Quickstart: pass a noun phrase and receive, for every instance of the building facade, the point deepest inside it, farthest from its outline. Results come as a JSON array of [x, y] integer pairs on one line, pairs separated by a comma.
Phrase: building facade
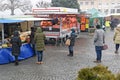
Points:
[[105, 6]]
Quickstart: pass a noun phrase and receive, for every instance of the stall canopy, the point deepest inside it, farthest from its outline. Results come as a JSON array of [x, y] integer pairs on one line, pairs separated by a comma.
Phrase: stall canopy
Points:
[[96, 14], [92, 11], [10, 21]]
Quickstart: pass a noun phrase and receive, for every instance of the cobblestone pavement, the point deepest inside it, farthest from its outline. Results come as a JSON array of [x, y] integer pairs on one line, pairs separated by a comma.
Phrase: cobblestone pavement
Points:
[[58, 66]]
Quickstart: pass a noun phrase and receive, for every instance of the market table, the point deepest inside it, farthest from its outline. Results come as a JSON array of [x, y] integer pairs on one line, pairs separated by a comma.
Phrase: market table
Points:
[[7, 57]]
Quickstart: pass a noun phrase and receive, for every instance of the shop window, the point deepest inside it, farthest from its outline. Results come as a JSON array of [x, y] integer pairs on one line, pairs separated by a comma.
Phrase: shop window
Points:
[[37, 23]]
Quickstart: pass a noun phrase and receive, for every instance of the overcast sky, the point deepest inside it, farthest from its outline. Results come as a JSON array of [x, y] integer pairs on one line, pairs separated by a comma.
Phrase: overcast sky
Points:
[[34, 1]]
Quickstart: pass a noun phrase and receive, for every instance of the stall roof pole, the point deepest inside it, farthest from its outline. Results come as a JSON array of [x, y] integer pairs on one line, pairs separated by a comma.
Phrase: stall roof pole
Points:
[[2, 34]]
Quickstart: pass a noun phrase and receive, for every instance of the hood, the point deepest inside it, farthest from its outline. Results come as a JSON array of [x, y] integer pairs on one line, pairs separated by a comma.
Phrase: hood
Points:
[[73, 30], [16, 34], [39, 30]]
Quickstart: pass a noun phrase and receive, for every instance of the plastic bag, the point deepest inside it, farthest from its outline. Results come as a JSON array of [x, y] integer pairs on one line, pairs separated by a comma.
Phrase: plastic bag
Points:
[[67, 43]]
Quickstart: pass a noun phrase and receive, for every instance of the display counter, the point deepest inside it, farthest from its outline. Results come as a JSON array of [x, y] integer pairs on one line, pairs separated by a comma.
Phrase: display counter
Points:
[[7, 57]]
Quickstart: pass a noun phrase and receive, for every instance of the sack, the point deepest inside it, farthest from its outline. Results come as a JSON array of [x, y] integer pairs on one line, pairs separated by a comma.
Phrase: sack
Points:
[[67, 43], [105, 47]]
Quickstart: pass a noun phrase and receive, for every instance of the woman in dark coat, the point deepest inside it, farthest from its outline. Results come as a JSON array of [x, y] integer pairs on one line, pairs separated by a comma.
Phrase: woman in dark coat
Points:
[[72, 42], [16, 44]]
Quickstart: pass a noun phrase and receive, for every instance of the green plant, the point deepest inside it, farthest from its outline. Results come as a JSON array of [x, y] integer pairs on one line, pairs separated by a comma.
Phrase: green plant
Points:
[[98, 72], [118, 76]]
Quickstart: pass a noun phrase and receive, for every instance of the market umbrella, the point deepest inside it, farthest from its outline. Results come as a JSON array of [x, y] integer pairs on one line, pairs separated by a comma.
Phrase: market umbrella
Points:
[[92, 11], [2, 21], [97, 15]]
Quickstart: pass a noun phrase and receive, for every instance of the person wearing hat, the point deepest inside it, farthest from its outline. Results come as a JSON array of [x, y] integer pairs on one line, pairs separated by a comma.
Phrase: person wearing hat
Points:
[[116, 38], [72, 42]]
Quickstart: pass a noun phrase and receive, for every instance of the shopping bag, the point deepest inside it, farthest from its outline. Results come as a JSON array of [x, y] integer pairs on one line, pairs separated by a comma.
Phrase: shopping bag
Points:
[[105, 46], [67, 43]]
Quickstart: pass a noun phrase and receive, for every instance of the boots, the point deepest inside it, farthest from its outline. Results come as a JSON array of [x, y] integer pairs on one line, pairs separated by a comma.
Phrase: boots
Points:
[[70, 53], [16, 63], [116, 52]]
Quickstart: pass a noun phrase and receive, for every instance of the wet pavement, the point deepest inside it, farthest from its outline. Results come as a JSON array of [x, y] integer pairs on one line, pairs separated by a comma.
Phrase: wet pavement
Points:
[[58, 66]]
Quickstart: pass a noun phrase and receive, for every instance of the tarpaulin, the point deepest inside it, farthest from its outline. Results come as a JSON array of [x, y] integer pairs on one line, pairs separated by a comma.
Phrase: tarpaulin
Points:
[[7, 57]]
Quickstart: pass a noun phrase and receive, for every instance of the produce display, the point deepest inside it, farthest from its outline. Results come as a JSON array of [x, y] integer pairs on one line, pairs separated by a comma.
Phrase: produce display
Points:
[[24, 36]]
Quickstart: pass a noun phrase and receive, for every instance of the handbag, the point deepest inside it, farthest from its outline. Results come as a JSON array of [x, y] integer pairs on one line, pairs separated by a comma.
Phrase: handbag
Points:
[[67, 43], [105, 46]]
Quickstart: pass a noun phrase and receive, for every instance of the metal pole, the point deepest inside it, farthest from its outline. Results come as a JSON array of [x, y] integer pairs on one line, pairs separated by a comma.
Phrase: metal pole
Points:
[[2, 34]]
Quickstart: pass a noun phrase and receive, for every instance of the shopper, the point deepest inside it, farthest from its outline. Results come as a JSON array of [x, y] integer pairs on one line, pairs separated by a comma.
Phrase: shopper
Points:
[[32, 40], [116, 38], [72, 42], [99, 40], [39, 39], [16, 44]]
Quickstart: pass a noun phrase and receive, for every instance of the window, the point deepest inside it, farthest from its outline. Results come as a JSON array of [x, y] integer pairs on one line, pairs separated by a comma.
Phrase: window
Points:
[[113, 3], [99, 10], [118, 10], [112, 10], [86, 3], [100, 3], [92, 3], [106, 11], [107, 3], [81, 3]]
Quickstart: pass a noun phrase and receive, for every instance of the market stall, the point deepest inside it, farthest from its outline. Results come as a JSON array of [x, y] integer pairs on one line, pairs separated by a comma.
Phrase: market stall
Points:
[[5, 49]]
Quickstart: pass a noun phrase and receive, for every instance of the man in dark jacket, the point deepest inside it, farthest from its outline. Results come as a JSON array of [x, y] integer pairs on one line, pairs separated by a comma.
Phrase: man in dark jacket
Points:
[[16, 44], [72, 42]]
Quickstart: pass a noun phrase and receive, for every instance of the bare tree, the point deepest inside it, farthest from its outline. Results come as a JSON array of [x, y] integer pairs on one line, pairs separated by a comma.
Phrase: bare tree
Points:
[[14, 4], [43, 4]]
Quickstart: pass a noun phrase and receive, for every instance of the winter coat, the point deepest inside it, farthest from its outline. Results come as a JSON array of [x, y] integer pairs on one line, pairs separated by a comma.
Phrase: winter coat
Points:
[[72, 37], [16, 44], [107, 24], [32, 37], [99, 37], [116, 37], [39, 39]]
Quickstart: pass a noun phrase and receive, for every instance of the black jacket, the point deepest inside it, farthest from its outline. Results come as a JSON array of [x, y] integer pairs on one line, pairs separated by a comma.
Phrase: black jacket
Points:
[[72, 39], [16, 44]]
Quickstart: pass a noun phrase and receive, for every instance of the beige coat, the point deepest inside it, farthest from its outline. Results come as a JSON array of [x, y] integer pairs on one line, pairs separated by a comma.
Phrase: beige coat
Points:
[[116, 37]]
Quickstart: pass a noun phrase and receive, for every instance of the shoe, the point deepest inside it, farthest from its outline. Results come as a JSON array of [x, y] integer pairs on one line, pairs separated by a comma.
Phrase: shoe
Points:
[[97, 61], [16, 63], [41, 62], [70, 55], [38, 62], [116, 52]]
